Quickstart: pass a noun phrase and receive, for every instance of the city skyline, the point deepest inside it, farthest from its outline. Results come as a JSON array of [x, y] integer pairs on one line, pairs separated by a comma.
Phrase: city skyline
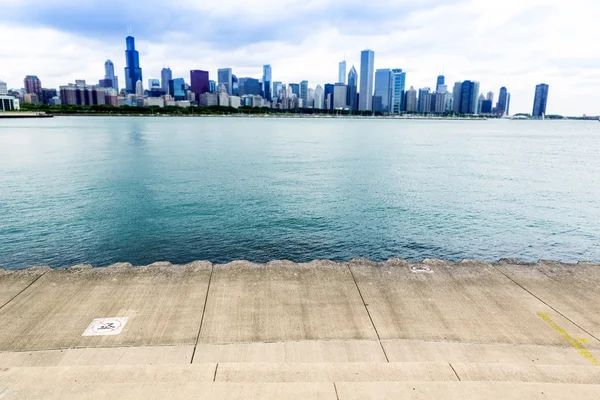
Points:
[[71, 51]]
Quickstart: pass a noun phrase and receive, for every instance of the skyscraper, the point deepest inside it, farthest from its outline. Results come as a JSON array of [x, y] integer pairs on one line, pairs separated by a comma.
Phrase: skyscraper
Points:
[[295, 88], [540, 101], [328, 96], [340, 96], [382, 99], [133, 71], [199, 82], [109, 75], [165, 76], [304, 92], [342, 72], [353, 89], [3, 88], [33, 85], [267, 82], [212, 86], [318, 102], [490, 96], [424, 104], [225, 77], [177, 88], [469, 96], [501, 106], [441, 80], [367, 66], [139, 89], [411, 100], [399, 84], [456, 95]]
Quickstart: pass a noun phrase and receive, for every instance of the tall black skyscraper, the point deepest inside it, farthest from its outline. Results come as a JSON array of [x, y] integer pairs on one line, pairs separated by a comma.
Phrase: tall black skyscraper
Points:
[[133, 72], [352, 100], [541, 99], [502, 105]]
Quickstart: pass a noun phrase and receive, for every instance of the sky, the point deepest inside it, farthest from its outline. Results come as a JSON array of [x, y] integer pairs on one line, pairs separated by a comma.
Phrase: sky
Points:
[[512, 43]]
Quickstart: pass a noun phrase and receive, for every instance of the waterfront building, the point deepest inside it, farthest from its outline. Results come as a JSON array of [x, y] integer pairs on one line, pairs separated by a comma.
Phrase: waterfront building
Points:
[[165, 77], [277, 90], [153, 83], [340, 96], [398, 85], [110, 79], [3, 88], [342, 72], [424, 102], [295, 89], [33, 85], [139, 89], [441, 80], [490, 96], [208, 99], [367, 68], [382, 99], [352, 100], [31, 98], [234, 101], [438, 103], [502, 105], [177, 89], [469, 95], [225, 77], [9, 103], [235, 85], [410, 100], [223, 96], [199, 82], [155, 102], [328, 95], [250, 86], [540, 101], [479, 101], [212, 86], [486, 107], [304, 93], [47, 95], [133, 71], [311, 98], [267, 82], [111, 97], [456, 95], [81, 94], [319, 98]]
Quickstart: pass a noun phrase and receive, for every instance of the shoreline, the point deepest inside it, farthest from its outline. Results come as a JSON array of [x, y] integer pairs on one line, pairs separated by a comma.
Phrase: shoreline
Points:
[[276, 116]]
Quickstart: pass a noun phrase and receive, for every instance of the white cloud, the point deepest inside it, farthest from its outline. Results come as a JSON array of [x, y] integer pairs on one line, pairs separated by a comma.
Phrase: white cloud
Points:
[[512, 43]]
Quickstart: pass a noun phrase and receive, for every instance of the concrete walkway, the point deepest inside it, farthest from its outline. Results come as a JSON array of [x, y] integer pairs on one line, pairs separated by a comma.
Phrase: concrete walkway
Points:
[[319, 330]]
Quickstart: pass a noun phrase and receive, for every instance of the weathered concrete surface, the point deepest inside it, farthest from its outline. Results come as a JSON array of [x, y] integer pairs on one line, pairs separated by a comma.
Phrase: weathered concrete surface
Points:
[[340, 372], [284, 301], [164, 305], [156, 355], [463, 302], [310, 351], [465, 391], [528, 373], [571, 289], [14, 282], [177, 390]]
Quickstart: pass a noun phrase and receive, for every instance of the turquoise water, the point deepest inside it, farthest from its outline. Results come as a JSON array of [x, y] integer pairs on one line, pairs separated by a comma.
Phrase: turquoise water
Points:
[[102, 190]]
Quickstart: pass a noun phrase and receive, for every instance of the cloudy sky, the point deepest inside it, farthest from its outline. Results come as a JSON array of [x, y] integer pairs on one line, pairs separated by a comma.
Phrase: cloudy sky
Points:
[[513, 43]]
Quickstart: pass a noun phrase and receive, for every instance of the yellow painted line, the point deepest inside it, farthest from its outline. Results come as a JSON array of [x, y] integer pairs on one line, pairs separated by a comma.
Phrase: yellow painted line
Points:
[[575, 343]]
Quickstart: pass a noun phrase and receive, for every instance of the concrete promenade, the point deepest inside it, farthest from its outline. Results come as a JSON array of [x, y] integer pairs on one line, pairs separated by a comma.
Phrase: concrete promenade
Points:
[[322, 330]]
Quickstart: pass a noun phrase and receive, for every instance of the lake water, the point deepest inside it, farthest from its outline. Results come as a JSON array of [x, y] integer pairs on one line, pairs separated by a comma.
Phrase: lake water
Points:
[[102, 190]]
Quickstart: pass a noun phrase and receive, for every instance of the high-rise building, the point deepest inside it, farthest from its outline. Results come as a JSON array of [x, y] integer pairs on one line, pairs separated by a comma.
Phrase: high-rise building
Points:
[[47, 95], [235, 85], [438, 102], [153, 84], [490, 96], [398, 87], [352, 100], [82, 94], [342, 72], [212, 86], [319, 99], [340, 96], [250, 86], [199, 82], [501, 106], [540, 101], [382, 99], [33, 85], [486, 107], [367, 68], [424, 105], [456, 96], [109, 75], [277, 89], [441, 80], [133, 71], [469, 96], [410, 100], [177, 89], [304, 92], [3, 88], [165, 76], [328, 96], [480, 103], [225, 77], [295, 88], [267, 82], [139, 89]]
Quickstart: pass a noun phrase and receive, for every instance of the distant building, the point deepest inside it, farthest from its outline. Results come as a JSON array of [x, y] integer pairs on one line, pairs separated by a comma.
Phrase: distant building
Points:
[[352, 89], [318, 102], [540, 101], [212, 86], [342, 72], [153, 83], [47, 95], [469, 96], [222, 96], [267, 82], [250, 86], [199, 82], [441, 80], [399, 85], [133, 71], [277, 89], [367, 68], [225, 77], [165, 76], [31, 98], [295, 87], [490, 96], [139, 89], [456, 95], [328, 96], [502, 105], [424, 104], [234, 101], [9, 103], [340, 96], [208, 99], [110, 80], [410, 100], [33, 85], [486, 107], [81, 94], [438, 103], [177, 89], [382, 99], [3, 88], [304, 92], [155, 102]]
